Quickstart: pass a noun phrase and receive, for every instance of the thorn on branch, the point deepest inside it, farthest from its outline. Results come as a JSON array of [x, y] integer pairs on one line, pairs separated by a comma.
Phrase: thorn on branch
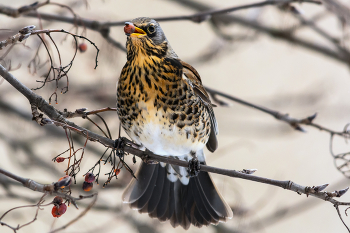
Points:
[[337, 193], [308, 120], [248, 171], [296, 126], [200, 18], [314, 189], [22, 35], [39, 117], [80, 110], [320, 188], [311, 118]]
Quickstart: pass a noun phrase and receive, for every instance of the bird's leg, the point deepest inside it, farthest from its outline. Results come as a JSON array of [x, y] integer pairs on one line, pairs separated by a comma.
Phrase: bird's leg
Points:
[[194, 166], [121, 142]]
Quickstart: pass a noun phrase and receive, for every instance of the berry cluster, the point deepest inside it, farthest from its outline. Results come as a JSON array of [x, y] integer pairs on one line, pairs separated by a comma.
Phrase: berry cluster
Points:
[[59, 207]]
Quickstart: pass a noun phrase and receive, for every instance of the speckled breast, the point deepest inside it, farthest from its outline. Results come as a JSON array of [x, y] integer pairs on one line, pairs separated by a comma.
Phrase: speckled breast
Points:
[[159, 110]]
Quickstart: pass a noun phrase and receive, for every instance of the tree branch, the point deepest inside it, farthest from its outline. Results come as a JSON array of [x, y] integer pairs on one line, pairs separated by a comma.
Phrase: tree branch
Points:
[[43, 188], [220, 14], [293, 122], [284, 35], [53, 114]]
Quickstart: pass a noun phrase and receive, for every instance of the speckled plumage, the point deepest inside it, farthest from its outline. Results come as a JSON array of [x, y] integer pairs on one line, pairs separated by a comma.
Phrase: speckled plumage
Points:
[[163, 106], [159, 110]]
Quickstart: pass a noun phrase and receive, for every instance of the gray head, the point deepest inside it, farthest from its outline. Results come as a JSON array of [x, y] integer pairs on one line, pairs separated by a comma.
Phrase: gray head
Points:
[[153, 31]]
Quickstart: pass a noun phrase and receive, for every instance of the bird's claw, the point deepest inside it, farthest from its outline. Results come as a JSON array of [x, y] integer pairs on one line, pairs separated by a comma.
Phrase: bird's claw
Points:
[[119, 145], [194, 167]]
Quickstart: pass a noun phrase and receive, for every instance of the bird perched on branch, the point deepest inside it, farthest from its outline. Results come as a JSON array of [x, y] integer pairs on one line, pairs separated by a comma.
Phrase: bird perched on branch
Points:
[[163, 106]]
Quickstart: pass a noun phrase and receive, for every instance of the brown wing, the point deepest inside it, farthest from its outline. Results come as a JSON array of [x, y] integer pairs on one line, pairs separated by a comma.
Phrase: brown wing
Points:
[[196, 82]]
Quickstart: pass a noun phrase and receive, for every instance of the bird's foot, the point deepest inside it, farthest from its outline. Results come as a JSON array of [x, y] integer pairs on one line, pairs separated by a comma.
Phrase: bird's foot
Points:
[[122, 141], [119, 146], [194, 167]]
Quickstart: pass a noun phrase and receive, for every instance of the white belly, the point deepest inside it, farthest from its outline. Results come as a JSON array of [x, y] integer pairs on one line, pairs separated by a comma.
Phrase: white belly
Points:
[[158, 136]]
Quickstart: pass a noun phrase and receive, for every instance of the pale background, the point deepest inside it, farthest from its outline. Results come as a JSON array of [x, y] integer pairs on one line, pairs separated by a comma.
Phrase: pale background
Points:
[[265, 71]]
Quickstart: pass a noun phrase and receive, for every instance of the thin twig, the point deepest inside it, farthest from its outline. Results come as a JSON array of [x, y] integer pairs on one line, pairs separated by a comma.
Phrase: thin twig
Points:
[[103, 27], [293, 122]]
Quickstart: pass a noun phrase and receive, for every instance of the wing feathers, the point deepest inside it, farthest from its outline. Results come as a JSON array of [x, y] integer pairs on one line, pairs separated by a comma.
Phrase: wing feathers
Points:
[[196, 82]]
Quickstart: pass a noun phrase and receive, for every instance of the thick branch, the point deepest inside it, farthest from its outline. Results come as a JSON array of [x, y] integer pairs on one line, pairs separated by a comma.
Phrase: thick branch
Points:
[[54, 115], [49, 110]]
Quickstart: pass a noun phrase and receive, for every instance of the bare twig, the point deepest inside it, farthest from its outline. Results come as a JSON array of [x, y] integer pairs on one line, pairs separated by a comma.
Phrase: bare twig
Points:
[[103, 27], [284, 35], [293, 122], [38, 205]]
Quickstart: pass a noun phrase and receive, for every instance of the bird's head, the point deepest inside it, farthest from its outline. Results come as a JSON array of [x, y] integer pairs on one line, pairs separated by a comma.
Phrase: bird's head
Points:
[[146, 36]]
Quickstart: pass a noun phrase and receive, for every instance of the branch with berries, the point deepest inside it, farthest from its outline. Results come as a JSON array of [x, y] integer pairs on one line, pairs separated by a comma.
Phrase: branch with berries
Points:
[[126, 147], [61, 191]]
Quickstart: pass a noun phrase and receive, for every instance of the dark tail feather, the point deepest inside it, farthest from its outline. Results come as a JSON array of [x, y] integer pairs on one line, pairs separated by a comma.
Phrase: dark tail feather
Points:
[[198, 203]]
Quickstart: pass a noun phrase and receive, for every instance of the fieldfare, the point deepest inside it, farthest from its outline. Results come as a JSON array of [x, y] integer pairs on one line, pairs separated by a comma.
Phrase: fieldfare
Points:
[[163, 106]]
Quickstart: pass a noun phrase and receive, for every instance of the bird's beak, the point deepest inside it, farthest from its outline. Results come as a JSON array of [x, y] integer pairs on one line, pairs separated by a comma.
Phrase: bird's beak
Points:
[[139, 31], [133, 31]]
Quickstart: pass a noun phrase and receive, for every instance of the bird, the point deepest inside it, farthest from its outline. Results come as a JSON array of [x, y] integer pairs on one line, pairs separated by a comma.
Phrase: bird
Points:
[[163, 107]]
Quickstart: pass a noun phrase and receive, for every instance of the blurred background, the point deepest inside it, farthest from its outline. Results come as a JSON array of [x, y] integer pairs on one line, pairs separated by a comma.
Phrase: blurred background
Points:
[[292, 58]]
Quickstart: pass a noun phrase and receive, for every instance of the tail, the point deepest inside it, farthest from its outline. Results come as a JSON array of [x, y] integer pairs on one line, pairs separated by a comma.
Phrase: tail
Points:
[[198, 202]]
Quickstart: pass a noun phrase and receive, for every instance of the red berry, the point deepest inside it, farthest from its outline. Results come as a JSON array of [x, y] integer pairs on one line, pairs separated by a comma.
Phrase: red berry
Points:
[[87, 186], [60, 159], [117, 171], [82, 47], [59, 210], [54, 212], [89, 177], [62, 208], [57, 200]]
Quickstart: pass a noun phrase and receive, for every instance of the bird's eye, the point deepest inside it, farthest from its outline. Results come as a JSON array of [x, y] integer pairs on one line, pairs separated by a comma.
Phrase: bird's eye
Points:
[[151, 29]]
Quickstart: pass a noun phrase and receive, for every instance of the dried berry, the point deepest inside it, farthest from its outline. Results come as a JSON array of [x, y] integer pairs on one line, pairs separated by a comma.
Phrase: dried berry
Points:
[[87, 186], [89, 177], [64, 181], [82, 47], [60, 159], [57, 200]]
